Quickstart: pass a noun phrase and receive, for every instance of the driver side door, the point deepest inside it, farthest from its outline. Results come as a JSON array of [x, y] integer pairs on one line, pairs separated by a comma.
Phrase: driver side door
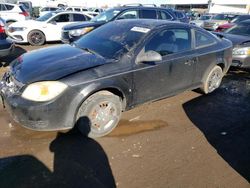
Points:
[[55, 25], [175, 73]]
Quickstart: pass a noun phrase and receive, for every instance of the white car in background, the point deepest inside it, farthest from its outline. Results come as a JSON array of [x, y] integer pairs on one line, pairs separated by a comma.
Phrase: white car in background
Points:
[[45, 28], [13, 13], [45, 10]]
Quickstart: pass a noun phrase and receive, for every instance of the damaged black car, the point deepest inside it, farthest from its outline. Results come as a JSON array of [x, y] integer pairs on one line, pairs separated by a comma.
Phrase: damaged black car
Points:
[[114, 68]]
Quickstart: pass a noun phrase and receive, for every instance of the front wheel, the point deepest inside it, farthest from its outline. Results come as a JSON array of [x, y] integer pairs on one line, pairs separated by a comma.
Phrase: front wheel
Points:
[[212, 80], [36, 38], [99, 114]]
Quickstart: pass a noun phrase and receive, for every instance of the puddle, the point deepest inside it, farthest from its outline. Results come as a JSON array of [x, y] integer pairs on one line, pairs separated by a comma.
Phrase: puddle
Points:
[[126, 128]]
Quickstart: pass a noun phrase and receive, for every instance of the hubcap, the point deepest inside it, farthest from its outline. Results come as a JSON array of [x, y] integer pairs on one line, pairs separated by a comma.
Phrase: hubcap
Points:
[[214, 80], [36, 38], [103, 116]]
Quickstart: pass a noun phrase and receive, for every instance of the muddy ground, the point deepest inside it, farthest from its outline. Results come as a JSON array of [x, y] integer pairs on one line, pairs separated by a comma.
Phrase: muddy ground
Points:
[[189, 140]]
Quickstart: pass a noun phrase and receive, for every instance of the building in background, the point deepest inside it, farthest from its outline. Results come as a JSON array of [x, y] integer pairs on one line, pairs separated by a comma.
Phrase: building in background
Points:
[[187, 5], [233, 6]]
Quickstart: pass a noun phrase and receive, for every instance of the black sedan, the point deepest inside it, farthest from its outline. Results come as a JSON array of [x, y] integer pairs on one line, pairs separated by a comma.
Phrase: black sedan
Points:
[[6, 45], [240, 37], [112, 69]]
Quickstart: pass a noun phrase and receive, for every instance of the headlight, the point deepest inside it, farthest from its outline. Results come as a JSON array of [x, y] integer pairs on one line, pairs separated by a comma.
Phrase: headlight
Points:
[[241, 51], [43, 91], [79, 32]]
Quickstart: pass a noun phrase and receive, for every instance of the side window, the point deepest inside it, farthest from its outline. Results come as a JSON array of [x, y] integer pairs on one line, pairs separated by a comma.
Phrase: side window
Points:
[[165, 16], [129, 15], [170, 41], [2, 7], [9, 7], [61, 18], [77, 9], [151, 14], [78, 17], [202, 40], [69, 9]]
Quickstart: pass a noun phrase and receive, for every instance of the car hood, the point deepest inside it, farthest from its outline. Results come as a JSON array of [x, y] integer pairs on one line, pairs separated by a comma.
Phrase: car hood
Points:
[[236, 39], [27, 23], [82, 25], [53, 63]]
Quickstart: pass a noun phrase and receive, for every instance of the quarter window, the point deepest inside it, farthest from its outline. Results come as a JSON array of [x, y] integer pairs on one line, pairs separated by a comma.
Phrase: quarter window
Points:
[[165, 16], [170, 41], [150, 14], [9, 7], [202, 40]]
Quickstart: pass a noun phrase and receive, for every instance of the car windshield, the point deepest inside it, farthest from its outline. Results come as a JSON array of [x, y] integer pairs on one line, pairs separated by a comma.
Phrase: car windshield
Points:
[[242, 29], [112, 40], [224, 17], [204, 17], [45, 17], [106, 16]]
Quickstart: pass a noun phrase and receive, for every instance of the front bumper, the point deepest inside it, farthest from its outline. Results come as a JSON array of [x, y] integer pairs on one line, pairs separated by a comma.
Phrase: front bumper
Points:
[[18, 36], [58, 114], [241, 61]]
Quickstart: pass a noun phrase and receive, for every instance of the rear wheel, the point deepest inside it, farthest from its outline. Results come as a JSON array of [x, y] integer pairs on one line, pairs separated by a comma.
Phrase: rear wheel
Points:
[[212, 80], [99, 114], [36, 38]]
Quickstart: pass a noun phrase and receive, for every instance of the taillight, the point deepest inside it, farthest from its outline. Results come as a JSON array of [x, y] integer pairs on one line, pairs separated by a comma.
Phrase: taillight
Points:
[[26, 14], [2, 28]]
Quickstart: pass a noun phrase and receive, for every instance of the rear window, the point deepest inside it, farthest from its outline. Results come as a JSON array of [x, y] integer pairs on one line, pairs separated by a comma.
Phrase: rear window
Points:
[[151, 14]]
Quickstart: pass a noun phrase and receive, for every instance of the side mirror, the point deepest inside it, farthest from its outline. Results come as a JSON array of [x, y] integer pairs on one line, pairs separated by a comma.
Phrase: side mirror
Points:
[[149, 56], [53, 22]]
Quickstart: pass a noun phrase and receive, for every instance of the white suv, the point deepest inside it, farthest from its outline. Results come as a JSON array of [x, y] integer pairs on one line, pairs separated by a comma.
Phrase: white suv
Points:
[[13, 13]]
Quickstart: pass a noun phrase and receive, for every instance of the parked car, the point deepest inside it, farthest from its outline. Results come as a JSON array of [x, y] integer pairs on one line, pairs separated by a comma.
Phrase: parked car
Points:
[[240, 37], [76, 8], [13, 13], [6, 45], [217, 20], [236, 20], [200, 21], [73, 32], [56, 3], [93, 9], [114, 68], [45, 28], [181, 15], [45, 10]]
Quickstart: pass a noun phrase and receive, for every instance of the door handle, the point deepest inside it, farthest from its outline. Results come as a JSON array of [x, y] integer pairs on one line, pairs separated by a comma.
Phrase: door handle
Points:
[[190, 62]]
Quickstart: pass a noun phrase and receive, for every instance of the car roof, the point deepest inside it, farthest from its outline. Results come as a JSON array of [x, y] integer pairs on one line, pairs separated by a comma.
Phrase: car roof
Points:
[[140, 7], [149, 23]]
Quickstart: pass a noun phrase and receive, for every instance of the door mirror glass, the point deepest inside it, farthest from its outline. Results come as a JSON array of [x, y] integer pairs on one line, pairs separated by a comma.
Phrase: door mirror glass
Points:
[[149, 56], [53, 22]]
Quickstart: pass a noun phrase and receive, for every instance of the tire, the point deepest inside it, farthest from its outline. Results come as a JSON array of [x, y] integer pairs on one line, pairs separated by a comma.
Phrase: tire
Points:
[[36, 38], [212, 80], [99, 114]]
